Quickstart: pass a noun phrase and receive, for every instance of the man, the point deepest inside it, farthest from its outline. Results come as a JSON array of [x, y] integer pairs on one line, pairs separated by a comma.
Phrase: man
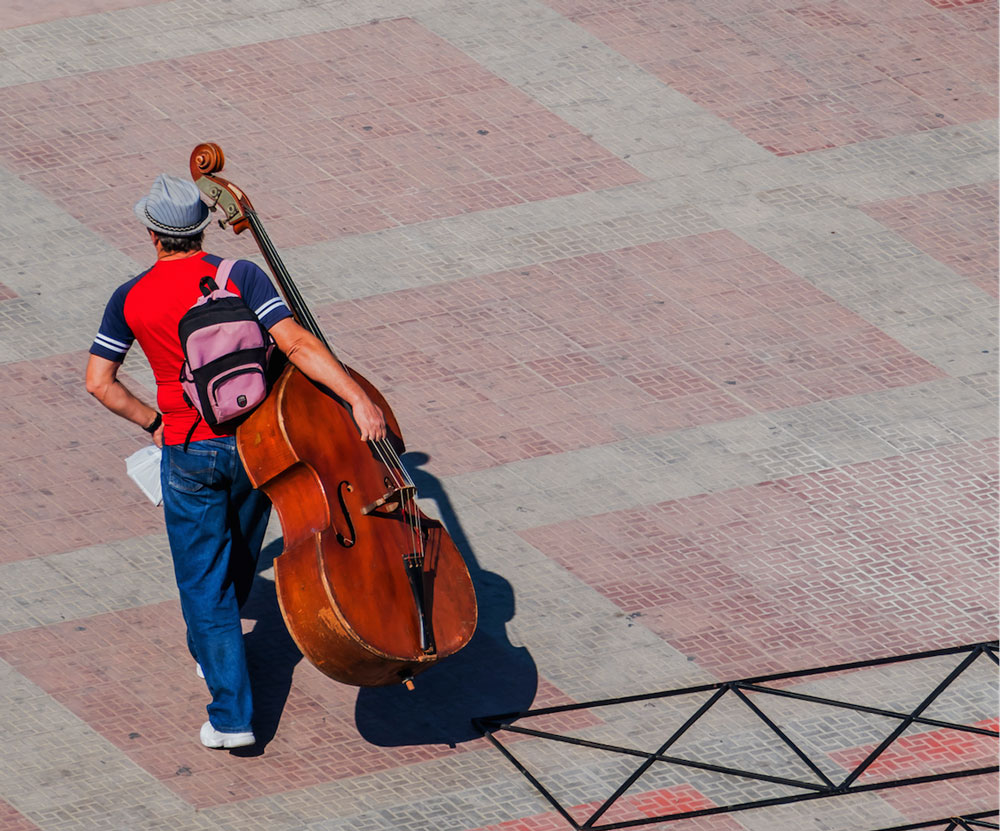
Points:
[[215, 519]]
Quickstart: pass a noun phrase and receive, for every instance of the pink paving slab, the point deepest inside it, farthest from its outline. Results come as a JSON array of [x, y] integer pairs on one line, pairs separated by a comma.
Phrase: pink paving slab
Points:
[[917, 753], [64, 484], [334, 133], [957, 226], [882, 557], [632, 807], [797, 77], [593, 349], [12, 820], [24, 12], [128, 675]]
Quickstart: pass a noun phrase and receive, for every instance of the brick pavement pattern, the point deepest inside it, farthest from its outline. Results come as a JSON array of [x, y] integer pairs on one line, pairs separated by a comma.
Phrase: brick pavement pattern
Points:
[[687, 309]]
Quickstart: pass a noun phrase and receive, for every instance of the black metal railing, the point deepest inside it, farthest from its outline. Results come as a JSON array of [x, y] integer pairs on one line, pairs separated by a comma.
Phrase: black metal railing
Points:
[[966, 822], [823, 787]]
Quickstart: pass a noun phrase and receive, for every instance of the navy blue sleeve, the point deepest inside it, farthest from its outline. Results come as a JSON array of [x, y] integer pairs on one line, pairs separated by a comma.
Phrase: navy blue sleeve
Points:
[[114, 337], [259, 293]]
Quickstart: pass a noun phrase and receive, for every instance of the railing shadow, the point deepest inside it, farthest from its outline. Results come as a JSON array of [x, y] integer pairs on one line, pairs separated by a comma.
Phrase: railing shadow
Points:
[[489, 675]]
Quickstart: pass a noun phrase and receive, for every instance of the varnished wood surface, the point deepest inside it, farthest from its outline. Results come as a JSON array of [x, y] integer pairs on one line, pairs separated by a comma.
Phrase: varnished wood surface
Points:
[[349, 608]]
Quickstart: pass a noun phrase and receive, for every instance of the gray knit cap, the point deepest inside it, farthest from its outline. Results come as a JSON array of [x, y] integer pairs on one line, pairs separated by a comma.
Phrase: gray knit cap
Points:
[[173, 207]]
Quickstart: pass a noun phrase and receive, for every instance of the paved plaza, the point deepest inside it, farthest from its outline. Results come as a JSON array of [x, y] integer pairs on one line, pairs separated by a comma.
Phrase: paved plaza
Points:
[[687, 309]]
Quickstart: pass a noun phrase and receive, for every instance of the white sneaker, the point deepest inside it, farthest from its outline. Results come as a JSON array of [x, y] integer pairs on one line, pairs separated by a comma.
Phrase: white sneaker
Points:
[[210, 737]]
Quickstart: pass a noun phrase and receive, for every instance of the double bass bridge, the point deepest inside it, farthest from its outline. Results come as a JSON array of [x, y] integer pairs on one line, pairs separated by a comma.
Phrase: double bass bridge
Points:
[[390, 501]]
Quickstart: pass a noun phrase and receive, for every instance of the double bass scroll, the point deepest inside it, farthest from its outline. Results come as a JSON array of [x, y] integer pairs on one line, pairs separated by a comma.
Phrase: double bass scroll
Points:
[[371, 589]]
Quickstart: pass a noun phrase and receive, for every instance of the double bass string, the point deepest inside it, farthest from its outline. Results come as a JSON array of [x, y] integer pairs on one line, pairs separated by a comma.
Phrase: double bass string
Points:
[[386, 452], [407, 506], [363, 663], [383, 448], [390, 458]]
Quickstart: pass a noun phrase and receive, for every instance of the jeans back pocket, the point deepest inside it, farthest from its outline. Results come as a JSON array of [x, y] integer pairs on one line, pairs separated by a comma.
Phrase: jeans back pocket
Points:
[[192, 471]]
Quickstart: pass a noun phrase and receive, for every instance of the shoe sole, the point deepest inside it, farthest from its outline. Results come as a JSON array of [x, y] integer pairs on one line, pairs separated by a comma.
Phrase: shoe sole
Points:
[[230, 744], [217, 740]]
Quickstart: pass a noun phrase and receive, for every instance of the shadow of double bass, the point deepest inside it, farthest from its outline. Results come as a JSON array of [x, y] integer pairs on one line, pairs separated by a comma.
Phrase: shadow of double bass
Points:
[[489, 675]]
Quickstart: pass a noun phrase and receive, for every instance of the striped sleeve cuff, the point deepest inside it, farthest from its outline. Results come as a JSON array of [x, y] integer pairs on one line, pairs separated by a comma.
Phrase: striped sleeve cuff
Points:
[[110, 348], [272, 311]]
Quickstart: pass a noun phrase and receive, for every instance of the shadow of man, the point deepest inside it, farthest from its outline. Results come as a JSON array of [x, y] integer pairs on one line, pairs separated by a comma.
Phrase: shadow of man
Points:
[[488, 676], [271, 653]]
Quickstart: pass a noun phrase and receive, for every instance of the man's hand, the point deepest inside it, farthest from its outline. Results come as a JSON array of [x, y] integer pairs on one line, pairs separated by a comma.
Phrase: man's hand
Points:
[[368, 416]]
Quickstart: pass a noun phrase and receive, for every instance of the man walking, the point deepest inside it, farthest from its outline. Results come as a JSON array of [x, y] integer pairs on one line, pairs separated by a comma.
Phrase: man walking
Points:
[[215, 519]]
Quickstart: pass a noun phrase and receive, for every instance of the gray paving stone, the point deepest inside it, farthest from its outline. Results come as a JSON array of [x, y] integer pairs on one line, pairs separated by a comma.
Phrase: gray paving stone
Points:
[[54, 605], [946, 344], [833, 434], [841, 814], [584, 643], [917, 163], [473, 784], [85, 582], [61, 774], [263, 813], [169, 30], [566, 227], [973, 424], [150, 553], [31, 575]]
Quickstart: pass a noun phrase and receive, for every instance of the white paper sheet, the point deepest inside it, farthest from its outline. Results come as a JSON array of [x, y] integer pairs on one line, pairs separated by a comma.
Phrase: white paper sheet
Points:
[[143, 467]]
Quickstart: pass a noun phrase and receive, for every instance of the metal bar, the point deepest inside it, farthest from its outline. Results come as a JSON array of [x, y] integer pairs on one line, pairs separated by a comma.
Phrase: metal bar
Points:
[[758, 679], [861, 708], [789, 800], [704, 708], [604, 702], [659, 757], [970, 824], [909, 720], [781, 735], [538, 785], [915, 826]]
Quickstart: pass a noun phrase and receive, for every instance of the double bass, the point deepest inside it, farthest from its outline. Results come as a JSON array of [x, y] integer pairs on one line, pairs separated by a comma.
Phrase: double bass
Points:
[[371, 589]]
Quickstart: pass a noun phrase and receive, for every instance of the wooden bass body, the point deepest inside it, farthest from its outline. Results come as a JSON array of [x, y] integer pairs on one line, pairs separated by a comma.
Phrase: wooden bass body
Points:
[[342, 585]]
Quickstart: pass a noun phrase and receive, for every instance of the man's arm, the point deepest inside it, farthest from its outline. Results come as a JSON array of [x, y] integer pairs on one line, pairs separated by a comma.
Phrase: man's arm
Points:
[[103, 384], [308, 354]]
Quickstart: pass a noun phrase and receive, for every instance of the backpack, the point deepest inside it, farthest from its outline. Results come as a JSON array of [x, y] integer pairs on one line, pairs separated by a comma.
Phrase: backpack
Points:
[[226, 353]]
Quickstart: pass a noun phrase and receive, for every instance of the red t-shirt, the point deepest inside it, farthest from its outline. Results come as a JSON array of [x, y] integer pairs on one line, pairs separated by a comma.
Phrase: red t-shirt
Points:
[[148, 309]]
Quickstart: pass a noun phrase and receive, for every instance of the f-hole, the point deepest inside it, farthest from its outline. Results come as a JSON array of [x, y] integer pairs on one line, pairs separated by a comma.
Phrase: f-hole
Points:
[[347, 541]]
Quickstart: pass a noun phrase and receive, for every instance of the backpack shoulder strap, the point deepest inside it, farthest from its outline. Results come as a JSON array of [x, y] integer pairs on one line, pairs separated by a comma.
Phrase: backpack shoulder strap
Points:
[[222, 274]]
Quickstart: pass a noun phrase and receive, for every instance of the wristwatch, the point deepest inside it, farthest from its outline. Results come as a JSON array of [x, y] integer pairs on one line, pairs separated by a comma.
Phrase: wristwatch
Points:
[[155, 425]]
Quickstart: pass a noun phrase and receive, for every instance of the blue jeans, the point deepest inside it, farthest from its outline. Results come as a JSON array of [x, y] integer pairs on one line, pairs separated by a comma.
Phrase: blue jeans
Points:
[[215, 523]]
